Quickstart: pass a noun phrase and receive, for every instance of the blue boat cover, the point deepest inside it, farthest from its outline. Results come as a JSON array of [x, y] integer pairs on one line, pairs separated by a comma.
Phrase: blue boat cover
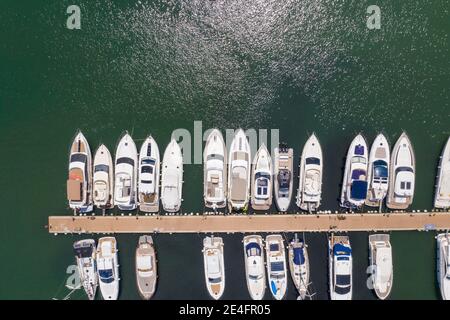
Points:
[[359, 190], [341, 250], [359, 150], [357, 173], [277, 266], [273, 287], [380, 169], [252, 245], [299, 257], [274, 247]]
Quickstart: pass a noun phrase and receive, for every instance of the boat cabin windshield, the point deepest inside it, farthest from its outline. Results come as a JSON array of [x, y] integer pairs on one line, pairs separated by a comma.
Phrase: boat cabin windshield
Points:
[[215, 280], [106, 276], [101, 167]]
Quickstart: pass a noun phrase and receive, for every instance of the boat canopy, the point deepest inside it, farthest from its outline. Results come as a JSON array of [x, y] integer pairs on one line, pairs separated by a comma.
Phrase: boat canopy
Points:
[[78, 157], [253, 249], [359, 190], [380, 169], [312, 160], [299, 256], [340, 250]]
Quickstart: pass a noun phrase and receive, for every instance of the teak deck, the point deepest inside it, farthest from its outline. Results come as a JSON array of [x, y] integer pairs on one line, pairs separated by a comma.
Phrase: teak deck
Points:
[[250, 223]]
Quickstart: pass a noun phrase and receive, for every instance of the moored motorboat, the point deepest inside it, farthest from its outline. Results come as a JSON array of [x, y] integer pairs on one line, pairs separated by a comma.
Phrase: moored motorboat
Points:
[[255, 273], [108, 268], [309, 191], [214, 266], [85, 253], [148, 185], [402, 174], [442, 193], [215, 171], [239, 168], [378, 171], [79, 183], [283, 179], [126, 166], [146, 267], [443, 264], [276, 266], [380, 256], [299, 266], [340, 264], [172, 177], [103, 189], [262, 180], [354, 184]]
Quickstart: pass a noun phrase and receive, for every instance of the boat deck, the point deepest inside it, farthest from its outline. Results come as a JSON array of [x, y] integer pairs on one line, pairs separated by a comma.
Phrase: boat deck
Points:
[[250, 223]]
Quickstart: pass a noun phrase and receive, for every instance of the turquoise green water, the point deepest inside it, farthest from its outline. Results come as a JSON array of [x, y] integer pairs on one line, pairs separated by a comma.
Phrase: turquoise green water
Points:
[[153, 67]]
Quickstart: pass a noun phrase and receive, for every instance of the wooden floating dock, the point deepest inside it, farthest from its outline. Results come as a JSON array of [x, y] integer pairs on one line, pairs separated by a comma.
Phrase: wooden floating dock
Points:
[[250, 223]]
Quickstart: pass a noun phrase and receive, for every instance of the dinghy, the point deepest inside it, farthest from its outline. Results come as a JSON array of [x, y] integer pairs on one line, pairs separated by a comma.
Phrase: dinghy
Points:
[[443, 264]]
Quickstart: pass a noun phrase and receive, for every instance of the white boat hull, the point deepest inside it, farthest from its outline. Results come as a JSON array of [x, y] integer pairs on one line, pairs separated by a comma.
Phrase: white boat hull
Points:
[[255, 273], [378, 172], [103, 178], [215, 171], [172, 178], [214, 266], [276, 266], [148, 185], [442, 193]]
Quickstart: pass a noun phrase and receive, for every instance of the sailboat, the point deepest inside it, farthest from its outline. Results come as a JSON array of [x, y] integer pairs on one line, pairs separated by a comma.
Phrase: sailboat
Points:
[[103, 178], [172, 177], [148, 185], [309, 191], [262, 180], [87, 269], [340, 264], [214, 266], [442, 193], [276, 266], [299, 266], [108, 268], [255, 273], [283, 166], [443, 264], [378, 173], [146, 269], [380, 255]]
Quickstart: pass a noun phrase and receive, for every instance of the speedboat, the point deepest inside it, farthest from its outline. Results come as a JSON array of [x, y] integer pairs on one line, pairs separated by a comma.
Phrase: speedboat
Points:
[[262, 180], [299, 266], [378, 173], [172, 177], [148, 185], [87, 268], [79, 183], [283, 165], [340, 267], [310, 179], [108, 268], [215, 171], [103, 178], [255, 273], [442, 193], [239, 172], [402, 174], [146, 269], [443, 264], [380, 256], [125, 193], [354, 184], [276, 266], [214, 266]]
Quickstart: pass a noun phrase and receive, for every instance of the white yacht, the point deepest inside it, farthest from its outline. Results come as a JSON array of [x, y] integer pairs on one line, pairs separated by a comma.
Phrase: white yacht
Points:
[[443, 264], [215, 171], [309, 191], [378, 173], [340, 267], [172, 177], [214, 266], [402, 174], [108, 268], [87, 268], [255, 272], [283, 170], [239, 168], [148, 185], [354, 184], [299, 266], [262, 180], [103, 178], [276, 266], [146, 269], [380, 256], [442, 193], [79, 183], [126, 164]]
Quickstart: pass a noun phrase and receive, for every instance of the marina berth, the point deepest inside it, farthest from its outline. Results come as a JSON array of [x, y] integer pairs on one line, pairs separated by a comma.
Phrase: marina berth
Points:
[[443, 264], [442, 193], [283, 171], [340, 267], [103, 178], [402, 174], [215, 171], [239, 168], [309, 192], [79, 182], [380, 257], [378, 173], [146, 268], [214, 266], [255, 273], [276, 266], [108, 268], [85, 254], [172, 177], [354, 184], [262, 180], [148, 185], [299, 266], [126, 166]]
